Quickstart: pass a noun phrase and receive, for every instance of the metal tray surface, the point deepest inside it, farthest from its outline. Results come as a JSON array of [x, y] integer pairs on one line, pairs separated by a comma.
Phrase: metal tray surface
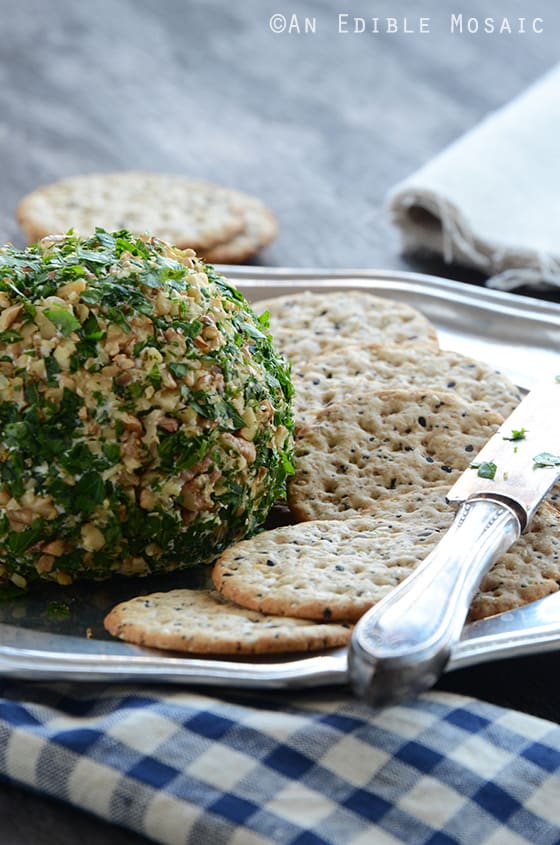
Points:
[[57, 633], [518, 335]]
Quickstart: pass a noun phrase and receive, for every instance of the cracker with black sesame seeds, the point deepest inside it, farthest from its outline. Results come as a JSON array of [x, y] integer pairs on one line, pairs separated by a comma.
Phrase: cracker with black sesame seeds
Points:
[[308, 324], [337, 569], [554, 497], [530, 570], [182, 211], [335, 376], [372, 443], [204, 622], [328, 570]]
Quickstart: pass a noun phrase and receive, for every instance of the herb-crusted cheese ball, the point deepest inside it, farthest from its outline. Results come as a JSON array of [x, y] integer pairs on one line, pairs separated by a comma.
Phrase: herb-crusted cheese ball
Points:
[[145, 418]]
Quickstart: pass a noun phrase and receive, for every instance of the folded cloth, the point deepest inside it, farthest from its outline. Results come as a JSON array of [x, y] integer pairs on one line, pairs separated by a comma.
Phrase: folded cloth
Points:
[[182, 767], [492, 199]]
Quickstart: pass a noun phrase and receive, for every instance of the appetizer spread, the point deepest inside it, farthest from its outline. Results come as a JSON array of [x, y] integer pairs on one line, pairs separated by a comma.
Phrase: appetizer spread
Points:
[[146, 426]]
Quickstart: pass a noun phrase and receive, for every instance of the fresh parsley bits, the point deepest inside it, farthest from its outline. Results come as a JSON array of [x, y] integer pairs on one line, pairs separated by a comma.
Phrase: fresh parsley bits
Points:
[[516, 434], [546, 459], [145, 418], [485, 469]]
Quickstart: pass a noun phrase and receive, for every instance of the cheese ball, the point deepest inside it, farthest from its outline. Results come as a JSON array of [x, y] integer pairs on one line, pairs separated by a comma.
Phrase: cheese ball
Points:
[[145, 419]]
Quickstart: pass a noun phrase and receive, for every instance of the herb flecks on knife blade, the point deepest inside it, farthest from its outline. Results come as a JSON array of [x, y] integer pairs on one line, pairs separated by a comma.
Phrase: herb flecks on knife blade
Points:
[[486, 469], [546, 459], [516, 434]]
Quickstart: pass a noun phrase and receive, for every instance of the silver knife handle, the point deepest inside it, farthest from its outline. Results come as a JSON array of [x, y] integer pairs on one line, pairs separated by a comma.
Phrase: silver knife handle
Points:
[[402, 644]]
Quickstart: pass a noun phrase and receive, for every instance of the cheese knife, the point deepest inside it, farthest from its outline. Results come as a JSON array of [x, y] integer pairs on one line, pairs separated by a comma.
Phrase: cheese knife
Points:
[[402, 645]]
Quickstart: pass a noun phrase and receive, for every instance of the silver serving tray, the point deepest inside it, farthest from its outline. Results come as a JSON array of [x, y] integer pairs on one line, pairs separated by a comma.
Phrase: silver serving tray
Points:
[[520, 336]]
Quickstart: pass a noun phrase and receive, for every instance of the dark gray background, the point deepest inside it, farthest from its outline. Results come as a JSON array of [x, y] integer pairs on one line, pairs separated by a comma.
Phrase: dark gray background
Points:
[[319, 126]]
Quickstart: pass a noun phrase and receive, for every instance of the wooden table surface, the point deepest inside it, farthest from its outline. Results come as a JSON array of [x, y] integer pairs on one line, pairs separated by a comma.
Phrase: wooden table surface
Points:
[[318, 124]]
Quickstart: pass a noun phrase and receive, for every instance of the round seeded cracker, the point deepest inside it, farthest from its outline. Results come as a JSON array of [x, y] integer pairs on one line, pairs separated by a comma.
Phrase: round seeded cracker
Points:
[[204, 622], [388, 440], [307, 324], [335, 376], [259, 229], [337, 569], [182, 211]]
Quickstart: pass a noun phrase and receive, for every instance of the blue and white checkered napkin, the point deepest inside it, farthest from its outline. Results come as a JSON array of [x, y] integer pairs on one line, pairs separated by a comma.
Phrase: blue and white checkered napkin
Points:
[[183, 767]]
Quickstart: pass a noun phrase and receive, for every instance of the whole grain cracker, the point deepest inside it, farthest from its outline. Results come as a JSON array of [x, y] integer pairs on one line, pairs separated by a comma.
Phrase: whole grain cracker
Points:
[[335, 376], [204, 622], [259, 229], [337, 569], [553, 497], [185, 212], [373, 443], [307, 324]]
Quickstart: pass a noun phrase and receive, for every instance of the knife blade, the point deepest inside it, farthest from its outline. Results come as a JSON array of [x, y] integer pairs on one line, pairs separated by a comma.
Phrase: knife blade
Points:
[[401, 646]]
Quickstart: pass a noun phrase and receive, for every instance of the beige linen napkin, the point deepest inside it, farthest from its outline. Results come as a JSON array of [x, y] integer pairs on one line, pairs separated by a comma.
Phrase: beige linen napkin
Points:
[[491, 200]]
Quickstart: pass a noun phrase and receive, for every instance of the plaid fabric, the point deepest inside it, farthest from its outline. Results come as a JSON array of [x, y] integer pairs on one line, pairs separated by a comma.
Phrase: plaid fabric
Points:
[[318, 769]]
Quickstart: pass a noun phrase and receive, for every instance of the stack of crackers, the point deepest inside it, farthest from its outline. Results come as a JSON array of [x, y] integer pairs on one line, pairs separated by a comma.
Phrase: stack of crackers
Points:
[[223, 225], [386, 422]]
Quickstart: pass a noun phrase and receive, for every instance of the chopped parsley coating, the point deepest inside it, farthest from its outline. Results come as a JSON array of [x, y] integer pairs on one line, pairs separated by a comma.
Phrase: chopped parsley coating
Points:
[[145, 419]]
